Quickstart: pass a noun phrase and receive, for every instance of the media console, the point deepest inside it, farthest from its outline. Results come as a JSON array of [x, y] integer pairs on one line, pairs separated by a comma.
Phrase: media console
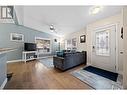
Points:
[[29, 55]]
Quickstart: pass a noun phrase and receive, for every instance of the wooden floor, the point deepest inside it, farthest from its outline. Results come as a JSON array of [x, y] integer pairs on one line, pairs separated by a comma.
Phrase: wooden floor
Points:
[[34, 75]]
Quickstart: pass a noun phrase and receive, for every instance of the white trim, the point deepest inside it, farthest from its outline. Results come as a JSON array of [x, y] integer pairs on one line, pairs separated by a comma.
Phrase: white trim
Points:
[[11, 35], [88, 64], [5, 50], [12, 61], [117, 48], [104, 26], [3, 84], [29, 52]]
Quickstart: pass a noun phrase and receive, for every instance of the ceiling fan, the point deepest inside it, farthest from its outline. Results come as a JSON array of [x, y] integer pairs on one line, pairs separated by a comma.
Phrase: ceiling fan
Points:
[[52, 28]]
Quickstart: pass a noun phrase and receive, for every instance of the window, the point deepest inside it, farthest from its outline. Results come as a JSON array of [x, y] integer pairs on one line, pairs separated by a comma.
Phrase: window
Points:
[[43, 45], [6, 12], [102, 43], [71, 44], [74, 45], [68, 44]]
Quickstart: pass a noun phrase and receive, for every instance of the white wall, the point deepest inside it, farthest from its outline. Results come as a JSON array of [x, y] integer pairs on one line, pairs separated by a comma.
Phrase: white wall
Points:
[[19, 14], [80, 46], [125, 47], [100, 23]]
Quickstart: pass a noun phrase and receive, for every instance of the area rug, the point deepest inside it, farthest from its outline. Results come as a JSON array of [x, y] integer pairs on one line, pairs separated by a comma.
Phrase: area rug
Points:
[[104, 73], [97, 81], [48, 62]]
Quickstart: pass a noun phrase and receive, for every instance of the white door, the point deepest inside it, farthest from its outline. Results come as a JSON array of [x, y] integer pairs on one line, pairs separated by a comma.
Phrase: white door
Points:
[[104, 48]]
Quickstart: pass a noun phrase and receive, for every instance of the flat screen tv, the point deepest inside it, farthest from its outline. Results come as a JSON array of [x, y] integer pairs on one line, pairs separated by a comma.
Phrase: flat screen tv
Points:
[[29, 46]]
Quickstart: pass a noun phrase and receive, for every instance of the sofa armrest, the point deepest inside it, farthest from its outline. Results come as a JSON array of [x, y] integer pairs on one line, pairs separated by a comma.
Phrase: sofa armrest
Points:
[[58, 62]]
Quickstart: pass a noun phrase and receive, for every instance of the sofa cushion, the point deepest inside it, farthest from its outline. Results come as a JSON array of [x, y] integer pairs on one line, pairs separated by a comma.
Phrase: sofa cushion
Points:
[[70, 60], [60, 54]]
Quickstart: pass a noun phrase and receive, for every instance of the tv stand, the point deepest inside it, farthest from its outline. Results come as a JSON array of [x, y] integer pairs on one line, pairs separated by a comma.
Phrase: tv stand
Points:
[[29, 55]]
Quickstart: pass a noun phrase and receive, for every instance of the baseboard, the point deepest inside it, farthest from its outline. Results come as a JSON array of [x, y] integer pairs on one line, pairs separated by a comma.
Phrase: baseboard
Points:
[[88, 64], [120, 72], [20, 60], [3, 84], [12, 61]]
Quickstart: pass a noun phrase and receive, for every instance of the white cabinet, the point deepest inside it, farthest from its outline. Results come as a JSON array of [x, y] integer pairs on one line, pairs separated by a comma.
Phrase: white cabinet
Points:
[[29, 55]]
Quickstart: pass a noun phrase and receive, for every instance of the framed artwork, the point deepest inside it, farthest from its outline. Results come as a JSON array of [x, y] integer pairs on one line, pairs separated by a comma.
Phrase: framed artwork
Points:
[[74, 44], [17, 37], [71, 44], [83, 39]]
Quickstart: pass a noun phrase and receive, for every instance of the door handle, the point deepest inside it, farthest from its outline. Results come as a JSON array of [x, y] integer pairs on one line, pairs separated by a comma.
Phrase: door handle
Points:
[[93, 47], [121, 52]]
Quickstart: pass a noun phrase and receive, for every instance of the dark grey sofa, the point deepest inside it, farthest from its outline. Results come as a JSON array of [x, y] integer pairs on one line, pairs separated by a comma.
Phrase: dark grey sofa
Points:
[[69, 60]]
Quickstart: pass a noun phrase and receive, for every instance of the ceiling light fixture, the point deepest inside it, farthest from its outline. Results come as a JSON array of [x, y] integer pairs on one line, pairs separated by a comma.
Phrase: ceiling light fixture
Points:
[[96, 9], [52, 27]]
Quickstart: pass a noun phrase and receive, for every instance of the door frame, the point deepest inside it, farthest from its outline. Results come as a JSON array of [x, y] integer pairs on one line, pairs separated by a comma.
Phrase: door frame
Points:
[[116, 42]]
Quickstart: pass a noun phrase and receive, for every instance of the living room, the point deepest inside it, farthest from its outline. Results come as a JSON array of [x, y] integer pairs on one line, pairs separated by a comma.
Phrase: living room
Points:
[[62, 47]]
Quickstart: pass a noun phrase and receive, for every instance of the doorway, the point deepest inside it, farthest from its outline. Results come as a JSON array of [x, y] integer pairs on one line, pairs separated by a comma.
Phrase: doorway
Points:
[[104, 48]]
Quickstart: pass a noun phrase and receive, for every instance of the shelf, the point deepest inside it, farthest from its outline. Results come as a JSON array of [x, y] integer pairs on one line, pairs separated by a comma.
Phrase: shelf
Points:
[[29, 51], [31, 59]]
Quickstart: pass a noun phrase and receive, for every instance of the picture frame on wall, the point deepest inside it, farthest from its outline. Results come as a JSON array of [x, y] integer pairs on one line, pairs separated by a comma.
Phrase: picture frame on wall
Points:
[[74, 44], [83, 39], [17, 37]]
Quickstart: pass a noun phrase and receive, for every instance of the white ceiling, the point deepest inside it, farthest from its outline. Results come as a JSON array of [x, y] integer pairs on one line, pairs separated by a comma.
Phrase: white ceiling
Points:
[[67, 19]]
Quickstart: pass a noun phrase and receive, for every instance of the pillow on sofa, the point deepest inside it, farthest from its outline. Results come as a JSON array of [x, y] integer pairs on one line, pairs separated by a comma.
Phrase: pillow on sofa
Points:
[[60, 54]]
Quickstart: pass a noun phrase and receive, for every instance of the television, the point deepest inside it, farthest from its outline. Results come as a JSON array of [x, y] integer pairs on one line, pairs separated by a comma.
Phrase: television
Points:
[[29, 46]]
